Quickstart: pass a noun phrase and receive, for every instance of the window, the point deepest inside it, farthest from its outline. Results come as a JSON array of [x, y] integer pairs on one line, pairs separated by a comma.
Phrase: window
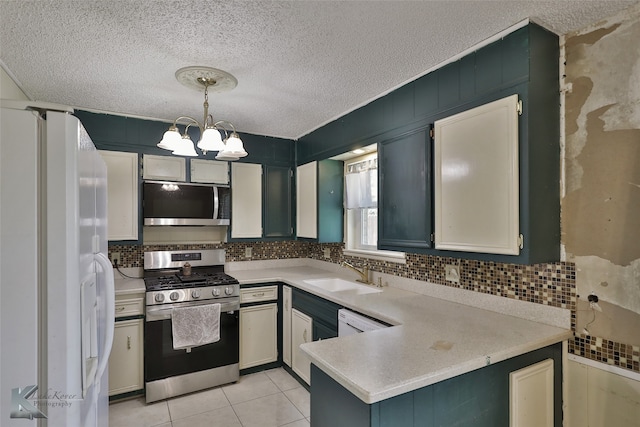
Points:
[[361, 202]]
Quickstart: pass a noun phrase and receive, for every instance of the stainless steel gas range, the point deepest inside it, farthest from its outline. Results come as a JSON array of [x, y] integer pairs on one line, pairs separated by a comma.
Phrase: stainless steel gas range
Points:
[[191, 278]]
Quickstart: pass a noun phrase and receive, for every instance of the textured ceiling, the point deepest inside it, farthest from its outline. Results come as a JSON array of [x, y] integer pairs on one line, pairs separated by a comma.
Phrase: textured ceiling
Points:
[[299, 64]]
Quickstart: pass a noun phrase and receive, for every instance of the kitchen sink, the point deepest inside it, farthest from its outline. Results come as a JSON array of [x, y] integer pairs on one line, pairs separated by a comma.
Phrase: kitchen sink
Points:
[[334, 284]]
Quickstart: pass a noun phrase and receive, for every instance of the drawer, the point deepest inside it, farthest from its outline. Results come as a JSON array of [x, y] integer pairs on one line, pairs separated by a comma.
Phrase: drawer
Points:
[[260, 293], [129, 307]]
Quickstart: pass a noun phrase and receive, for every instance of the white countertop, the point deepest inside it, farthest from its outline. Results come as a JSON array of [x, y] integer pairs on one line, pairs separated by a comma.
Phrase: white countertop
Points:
[[434, 339], [128, 286]]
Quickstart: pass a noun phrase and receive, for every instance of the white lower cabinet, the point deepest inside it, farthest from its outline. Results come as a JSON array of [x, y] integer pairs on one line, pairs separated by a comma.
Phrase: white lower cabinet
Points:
[[531, 396], [301, 332], [258, 335], [126, 359], [286, 325]]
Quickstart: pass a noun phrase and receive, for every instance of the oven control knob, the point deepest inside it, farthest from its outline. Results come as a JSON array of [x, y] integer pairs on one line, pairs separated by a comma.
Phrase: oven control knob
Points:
[[228, 291], [174, 296], [216, 292], [195, 294], [159, 297]]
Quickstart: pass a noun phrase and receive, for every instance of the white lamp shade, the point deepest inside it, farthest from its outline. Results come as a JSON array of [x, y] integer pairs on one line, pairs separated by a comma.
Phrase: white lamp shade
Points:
[[224, 157], [234, 147], [170, 140], [211, 140], [185, 148]]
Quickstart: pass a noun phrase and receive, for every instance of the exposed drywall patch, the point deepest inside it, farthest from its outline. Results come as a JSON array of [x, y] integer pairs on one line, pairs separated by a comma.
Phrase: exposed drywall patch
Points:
[[614, 322], [602, 177], [601, 205], [601, 216], [612, 283], [592, 37], [581, 89]]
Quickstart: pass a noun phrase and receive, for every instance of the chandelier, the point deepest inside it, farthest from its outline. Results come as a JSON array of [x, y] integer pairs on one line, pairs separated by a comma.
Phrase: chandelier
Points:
[[230, 148]]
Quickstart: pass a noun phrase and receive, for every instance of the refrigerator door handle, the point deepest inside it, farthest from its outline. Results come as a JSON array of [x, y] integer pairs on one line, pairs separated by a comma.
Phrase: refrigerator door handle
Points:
[[109, 313]]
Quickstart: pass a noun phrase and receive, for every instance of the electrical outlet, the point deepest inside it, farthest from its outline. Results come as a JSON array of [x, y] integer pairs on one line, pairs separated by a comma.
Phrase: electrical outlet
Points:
[[116, 259], [248, 252], [327, 252], [452, 273]]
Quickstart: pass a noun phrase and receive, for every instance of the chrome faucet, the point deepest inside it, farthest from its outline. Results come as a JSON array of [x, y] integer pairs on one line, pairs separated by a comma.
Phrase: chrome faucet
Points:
[[364, 273]]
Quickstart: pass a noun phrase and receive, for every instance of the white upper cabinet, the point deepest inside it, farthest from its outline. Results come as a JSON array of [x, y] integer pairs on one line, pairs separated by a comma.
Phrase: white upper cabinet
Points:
[[246, 200], [122, 195], [307, 200], [164, 168], [209, 171], [476, 179]]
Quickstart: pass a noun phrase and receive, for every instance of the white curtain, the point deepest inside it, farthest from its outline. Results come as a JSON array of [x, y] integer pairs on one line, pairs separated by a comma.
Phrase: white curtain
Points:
[[362, 186]]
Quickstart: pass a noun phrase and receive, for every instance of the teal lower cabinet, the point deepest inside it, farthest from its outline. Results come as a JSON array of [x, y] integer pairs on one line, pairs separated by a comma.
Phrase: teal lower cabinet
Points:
[[479, 398]]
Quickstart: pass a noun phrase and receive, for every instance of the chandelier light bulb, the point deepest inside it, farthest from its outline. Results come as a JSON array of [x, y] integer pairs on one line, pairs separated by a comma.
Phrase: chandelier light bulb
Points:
[[234, 146], [171, 139], [185, 148], [211, 140]]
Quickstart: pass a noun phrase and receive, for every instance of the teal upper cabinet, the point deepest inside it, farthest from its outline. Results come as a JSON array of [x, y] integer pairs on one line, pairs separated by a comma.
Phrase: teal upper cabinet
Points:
[[278, 222], [405, 192], [330, 201], [319, 201]]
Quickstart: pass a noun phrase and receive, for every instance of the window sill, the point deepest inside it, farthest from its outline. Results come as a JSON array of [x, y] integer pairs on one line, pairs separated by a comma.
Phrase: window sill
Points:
[[389, 256]]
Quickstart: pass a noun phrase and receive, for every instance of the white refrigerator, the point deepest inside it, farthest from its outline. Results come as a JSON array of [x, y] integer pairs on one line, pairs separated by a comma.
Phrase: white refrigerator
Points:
[[56, 282]]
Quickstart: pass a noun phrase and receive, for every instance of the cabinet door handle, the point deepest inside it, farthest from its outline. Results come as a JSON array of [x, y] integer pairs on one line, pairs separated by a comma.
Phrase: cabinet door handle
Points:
[[128, 343], [261, 294], [286, 306], [121, 308], [304, 336]]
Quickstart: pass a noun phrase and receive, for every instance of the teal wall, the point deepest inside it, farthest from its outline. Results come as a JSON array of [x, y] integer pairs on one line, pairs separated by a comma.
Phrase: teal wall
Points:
[[119, 133], [481, 76], [524, 62]]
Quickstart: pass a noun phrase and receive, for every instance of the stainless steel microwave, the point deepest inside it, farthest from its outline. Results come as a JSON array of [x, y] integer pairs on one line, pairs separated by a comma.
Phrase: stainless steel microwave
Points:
[[179, 203]]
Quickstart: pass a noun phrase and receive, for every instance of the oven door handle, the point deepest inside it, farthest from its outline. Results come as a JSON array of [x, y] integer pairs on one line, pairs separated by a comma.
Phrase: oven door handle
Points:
[[162, 312]]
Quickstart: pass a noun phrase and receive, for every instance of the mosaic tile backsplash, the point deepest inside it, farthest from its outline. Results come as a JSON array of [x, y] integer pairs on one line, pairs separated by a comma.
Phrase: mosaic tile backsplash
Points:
[[552, 284]]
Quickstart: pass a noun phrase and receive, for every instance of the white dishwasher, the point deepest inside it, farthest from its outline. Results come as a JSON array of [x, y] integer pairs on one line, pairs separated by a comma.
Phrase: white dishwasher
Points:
[[350, 322]]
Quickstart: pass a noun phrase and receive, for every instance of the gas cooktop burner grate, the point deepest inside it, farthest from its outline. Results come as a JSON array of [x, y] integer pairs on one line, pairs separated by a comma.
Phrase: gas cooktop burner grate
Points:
[[194, 280]]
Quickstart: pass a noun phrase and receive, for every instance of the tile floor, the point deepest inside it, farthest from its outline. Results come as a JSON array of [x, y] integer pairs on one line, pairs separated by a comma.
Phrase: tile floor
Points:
[[270, 398]]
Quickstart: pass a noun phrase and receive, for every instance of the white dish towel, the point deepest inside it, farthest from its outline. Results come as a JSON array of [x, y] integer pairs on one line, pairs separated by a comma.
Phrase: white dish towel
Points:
[[194, 326]]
